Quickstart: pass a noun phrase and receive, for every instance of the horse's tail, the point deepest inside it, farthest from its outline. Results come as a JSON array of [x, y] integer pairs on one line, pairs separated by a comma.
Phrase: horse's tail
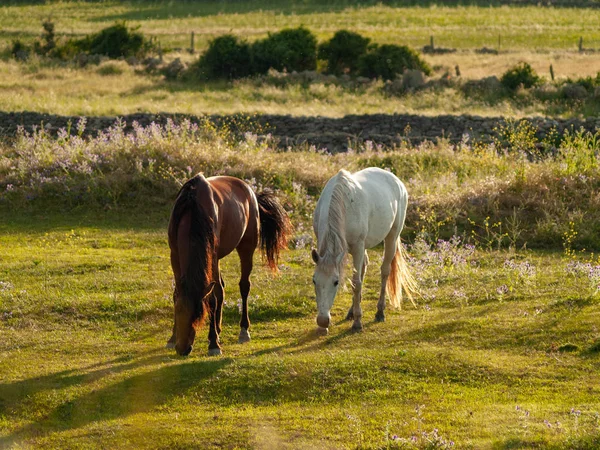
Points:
[[400, 278], [275, 227], [198, 244]]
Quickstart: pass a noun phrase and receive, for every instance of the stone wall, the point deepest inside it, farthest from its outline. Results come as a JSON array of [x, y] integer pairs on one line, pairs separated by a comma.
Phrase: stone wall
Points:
[[334, 134]]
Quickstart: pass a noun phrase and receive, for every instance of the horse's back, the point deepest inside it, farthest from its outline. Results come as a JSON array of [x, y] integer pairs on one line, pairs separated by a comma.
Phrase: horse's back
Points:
[[238, 215], [380, 206]]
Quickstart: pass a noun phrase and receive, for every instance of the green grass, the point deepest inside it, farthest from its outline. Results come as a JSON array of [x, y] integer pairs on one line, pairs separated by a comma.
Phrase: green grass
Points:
[[398, 22], [88, 311], [538, 35]]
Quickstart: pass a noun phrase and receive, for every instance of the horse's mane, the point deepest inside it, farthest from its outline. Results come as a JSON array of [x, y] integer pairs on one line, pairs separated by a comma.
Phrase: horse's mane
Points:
[[202, 242], [332, 245]]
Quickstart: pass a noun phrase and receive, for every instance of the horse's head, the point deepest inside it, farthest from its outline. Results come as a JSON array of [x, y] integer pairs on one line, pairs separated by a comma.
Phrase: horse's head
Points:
[[326, 279], [189, 315]]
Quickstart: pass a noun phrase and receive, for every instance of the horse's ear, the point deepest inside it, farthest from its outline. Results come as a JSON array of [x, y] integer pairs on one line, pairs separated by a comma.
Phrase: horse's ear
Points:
[[315, 256], [209, 290]]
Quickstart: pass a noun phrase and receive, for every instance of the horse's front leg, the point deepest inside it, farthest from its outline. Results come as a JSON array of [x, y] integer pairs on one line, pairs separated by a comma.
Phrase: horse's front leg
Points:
[[350, 315], [358, 260]]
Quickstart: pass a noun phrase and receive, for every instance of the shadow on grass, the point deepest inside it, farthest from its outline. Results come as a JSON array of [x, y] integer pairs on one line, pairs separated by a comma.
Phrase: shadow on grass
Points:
[[131, 395], [591, 442], [169, 11], [39, 220]]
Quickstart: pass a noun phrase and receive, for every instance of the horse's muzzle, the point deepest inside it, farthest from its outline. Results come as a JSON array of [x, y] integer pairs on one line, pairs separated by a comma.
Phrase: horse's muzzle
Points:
[[184, 353], [323, 321]]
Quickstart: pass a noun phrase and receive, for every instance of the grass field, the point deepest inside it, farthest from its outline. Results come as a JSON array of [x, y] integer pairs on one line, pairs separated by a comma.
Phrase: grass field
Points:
[[502, 350], [92, 306], [86, 309], [114, 88], [528, 27], [538, 35]]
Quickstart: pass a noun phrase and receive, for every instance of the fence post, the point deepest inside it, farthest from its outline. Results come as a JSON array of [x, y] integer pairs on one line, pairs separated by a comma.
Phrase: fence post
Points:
[[457, 69], [551, 72], [581, 44], [431, 42], [192, 43]]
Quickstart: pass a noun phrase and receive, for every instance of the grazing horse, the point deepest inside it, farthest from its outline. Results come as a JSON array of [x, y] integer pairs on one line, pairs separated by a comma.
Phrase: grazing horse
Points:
[[356, 212], [211, 218]]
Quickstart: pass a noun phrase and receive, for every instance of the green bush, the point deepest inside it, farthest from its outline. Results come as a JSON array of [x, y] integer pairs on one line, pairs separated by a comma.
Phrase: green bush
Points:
[[226, 57], [589, 83], [387, 61], [289, 49], [48, 42], [520, 75], [115, 41], [20, 50], [343, 51]]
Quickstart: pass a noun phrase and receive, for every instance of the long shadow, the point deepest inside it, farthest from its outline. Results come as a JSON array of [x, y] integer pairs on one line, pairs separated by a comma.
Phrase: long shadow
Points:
[[39, 221], [132, 395], [12, 393], [168, 11]]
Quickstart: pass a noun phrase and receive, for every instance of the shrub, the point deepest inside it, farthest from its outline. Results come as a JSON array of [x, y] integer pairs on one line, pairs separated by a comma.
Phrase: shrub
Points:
[[520, 75], [226, 57], [343, 51], [48, 42], [387, 61], [290, 49], [588, 83], [20, 50], [115, 41]]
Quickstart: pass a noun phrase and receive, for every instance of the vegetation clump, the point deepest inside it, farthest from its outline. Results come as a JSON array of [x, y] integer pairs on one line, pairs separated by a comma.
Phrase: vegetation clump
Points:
[[291, 49], [520, 75], [343, 51], [227, 57], [388, 61], [115, 41]]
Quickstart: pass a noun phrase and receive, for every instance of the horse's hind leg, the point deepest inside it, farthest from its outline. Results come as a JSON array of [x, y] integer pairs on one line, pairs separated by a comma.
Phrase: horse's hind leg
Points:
[[246, 264], [350, 315], [220, 302], [216, 305], [388, 256]]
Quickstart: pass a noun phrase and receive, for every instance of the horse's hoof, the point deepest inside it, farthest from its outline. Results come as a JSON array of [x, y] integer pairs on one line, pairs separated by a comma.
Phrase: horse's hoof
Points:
[[380, 317], [322, 331], [214, 351], [244, 336], [357, 328], [350, 315], [170, 345]]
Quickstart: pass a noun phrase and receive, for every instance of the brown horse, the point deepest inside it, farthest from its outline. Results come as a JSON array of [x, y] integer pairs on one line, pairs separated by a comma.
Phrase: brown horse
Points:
[[210, 219]]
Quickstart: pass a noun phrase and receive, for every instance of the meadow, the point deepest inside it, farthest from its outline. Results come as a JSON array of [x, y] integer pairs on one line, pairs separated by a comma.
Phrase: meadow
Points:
[[500, 352], [539, 36]]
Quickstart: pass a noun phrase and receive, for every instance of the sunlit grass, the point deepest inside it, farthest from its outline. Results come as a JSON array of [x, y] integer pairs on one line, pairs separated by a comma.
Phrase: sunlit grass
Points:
[[528, 27], [88, 310], [114, 88]]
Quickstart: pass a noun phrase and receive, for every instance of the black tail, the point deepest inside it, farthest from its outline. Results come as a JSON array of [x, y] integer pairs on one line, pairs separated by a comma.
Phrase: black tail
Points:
[[275, 227], [200, 242]]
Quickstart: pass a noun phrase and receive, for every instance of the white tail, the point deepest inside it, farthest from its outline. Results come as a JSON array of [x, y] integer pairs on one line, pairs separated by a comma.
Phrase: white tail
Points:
[[400, 278]]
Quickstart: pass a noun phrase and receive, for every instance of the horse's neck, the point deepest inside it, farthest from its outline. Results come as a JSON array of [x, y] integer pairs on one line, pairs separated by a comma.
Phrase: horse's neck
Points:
[[335, 225]]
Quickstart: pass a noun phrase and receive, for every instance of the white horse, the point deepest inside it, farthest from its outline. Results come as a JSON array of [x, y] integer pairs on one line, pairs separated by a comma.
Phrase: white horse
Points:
[[356, 212]]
